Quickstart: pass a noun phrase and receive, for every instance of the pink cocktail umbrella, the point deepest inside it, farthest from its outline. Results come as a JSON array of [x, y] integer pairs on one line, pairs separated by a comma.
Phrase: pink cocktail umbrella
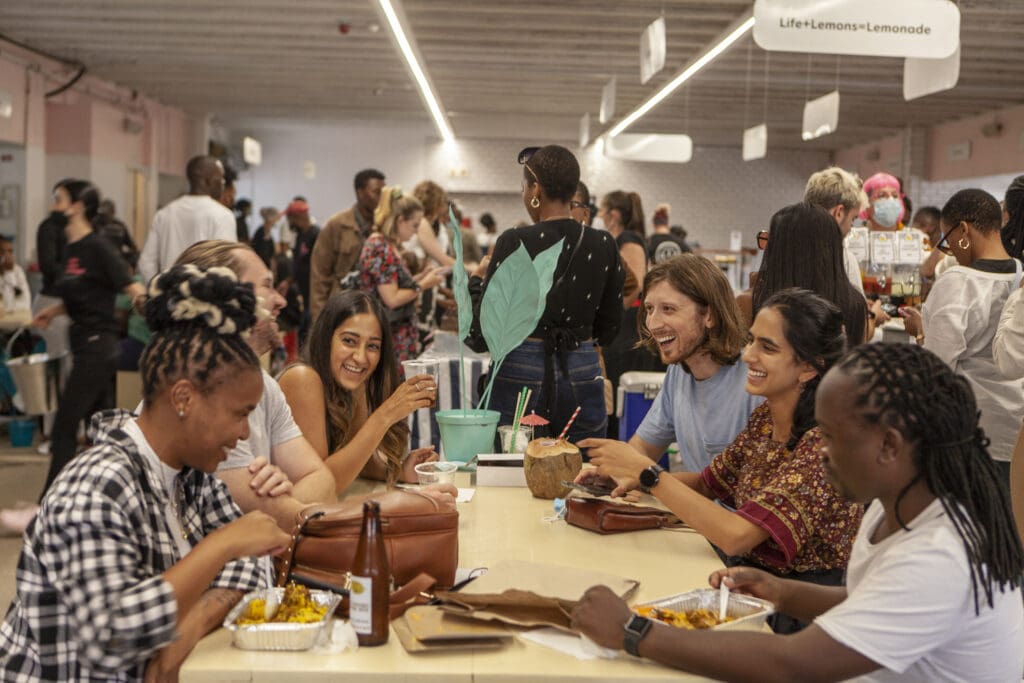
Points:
[[533, 420]]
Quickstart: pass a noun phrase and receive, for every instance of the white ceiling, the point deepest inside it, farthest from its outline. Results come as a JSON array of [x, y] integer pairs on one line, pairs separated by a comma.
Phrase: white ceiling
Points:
[[524, 69]]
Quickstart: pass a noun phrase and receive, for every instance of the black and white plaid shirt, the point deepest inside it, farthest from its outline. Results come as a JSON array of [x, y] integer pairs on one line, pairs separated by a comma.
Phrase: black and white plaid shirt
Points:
[[91, 602]]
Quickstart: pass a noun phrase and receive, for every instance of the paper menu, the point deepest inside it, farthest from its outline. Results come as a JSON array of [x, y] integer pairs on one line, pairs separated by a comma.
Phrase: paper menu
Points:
[[883, 248], [910, 246], [857, 243]]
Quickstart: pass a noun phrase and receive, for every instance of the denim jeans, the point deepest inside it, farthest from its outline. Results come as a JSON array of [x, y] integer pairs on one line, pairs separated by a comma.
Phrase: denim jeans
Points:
[[584, 387]]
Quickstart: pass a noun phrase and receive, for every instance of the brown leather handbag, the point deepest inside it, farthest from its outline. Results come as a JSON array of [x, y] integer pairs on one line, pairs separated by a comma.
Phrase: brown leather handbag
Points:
[[421, 536], [606, 517]]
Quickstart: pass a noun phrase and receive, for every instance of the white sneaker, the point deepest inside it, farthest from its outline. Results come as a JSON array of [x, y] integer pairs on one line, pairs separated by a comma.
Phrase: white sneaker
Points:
[[15, 521]]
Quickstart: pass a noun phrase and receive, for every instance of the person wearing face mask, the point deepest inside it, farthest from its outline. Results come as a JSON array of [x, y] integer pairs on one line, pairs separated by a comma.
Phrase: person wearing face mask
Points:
[[50, 245], [885, 210], [93, 275]]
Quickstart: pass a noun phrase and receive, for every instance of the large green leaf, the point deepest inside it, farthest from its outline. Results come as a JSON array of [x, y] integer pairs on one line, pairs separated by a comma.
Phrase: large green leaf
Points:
[[460, 281], [544, 266], [509, 310]]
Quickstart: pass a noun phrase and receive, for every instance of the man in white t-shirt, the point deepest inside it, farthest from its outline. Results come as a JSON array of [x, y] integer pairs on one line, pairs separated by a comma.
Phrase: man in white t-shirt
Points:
[[188, 219], [933, 584]]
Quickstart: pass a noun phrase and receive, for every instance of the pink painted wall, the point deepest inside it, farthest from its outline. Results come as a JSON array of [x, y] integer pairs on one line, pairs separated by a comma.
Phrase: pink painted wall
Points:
[[989, 155], [889, 152], [69, 125], [110, 140]]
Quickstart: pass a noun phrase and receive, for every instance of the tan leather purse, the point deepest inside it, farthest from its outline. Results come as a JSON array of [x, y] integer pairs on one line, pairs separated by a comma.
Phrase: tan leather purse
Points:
[[421, 535], [606, 517]]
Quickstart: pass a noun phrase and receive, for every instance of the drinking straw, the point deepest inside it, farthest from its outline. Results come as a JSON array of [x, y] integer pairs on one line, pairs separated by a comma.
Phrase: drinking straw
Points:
[[521, 399], [569, 423]]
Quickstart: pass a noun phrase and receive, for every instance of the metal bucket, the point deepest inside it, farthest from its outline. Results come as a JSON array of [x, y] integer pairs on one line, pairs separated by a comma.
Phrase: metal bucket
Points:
[[37, 377]]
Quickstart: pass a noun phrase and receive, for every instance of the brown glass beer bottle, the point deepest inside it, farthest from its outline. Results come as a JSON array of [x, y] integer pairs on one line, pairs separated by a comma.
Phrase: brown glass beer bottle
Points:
[[371, 581]]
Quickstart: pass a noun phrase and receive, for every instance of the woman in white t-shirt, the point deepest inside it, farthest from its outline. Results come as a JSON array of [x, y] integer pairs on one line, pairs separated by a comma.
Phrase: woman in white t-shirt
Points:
[[959, 320], [933, 585]]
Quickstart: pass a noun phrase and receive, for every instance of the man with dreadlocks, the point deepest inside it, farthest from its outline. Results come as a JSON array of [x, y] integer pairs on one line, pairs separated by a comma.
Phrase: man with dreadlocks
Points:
[[933, 585], [138, 550]]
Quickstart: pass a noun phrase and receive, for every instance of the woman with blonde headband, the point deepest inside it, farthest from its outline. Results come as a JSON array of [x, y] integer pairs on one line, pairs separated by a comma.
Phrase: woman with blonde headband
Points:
[[383, 274]]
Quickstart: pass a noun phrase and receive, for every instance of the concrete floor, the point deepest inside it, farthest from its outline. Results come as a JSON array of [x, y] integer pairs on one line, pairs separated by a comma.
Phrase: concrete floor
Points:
[[22, 474]]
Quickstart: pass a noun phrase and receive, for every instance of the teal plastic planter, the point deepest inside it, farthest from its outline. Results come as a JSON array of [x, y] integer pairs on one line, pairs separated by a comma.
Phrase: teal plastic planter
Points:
[[466, 434]]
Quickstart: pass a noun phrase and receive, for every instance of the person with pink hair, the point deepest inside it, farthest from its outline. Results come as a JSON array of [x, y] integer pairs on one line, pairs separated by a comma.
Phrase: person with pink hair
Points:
[[886, 209]]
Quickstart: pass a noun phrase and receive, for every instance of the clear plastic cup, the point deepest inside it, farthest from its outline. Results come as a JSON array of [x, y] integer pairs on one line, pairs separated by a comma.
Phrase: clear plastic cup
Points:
[[523, 437], [424, 366], [436, 472]]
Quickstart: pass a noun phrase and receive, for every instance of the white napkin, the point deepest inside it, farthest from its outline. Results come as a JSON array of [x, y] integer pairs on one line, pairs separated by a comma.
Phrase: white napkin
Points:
[[579, 647], [465, 495], [339, 637]]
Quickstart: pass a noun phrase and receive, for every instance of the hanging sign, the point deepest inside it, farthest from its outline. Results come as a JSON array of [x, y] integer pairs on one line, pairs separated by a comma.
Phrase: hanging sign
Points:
[[926, 76], [821, 116], [584, 130], [641, 147], [652, 49], [252, 151], [755, 142], [928, 29], [607, 102]]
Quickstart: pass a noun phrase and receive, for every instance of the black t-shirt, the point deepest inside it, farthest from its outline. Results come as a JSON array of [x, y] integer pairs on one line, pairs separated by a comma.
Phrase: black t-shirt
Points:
[[93, 275], [588, 300], [996, 265], [50, 245], [302, 253], [661, 247], [263, 244]]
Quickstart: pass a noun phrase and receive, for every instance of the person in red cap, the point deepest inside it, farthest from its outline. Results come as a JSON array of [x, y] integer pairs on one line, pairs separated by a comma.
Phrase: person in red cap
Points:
[[306, 233]]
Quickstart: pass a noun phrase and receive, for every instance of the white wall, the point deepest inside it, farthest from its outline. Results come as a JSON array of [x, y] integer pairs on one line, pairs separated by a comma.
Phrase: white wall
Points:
[[338, 152], [936, 193], [713, 194]]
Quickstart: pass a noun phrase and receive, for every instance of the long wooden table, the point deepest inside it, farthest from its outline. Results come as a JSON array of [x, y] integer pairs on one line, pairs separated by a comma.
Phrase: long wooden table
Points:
[[498, 523]]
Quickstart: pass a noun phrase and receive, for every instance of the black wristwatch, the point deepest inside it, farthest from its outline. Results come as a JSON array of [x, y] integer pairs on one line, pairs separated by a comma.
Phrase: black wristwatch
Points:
[[633, 632], [650, 476]]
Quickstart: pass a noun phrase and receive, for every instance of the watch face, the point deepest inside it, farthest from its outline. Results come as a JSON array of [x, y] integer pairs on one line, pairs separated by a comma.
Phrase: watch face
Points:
[[636, 624], [649, 477]]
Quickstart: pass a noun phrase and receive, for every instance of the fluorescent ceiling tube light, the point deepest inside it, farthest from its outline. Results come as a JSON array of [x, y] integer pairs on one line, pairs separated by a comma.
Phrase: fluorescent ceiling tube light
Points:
[[417, 71], [683, 76]]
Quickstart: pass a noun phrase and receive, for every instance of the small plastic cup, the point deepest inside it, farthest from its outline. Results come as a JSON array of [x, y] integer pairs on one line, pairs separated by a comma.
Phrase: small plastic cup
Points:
[[436, 472], [523, 437], [424, 366]]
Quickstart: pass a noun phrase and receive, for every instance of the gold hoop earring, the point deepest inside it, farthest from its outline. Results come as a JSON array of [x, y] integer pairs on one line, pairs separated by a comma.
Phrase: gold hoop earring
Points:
[[960, 243], [535, 203]]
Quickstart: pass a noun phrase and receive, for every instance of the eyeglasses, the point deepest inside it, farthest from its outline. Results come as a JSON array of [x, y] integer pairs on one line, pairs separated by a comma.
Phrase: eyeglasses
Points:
[[527, 154], [943, 243], [578, 205], [762, 239]]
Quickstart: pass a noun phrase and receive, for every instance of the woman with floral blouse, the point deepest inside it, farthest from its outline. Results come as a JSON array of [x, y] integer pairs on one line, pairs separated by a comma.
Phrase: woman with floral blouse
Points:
[[778, 512], [383, 274]]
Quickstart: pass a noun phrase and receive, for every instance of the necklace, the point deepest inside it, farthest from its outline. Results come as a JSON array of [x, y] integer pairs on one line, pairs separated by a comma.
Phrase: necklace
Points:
[[179, 509]]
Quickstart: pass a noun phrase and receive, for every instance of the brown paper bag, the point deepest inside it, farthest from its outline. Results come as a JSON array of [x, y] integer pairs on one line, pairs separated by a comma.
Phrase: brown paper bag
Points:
[[530, 593]]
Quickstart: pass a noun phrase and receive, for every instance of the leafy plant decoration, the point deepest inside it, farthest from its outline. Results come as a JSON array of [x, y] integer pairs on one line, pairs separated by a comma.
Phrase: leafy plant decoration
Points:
[[460, 290]]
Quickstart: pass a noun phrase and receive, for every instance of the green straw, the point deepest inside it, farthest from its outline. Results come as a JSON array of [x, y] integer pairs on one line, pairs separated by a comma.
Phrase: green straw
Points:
[[517, 416]]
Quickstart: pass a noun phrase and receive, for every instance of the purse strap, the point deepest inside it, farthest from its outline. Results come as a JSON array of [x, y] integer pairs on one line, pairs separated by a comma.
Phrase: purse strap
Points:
[[285, 574]]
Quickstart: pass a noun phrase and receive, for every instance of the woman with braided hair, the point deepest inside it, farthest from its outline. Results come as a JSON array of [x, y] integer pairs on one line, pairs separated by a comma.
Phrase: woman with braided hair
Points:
[[782, 515], [138, 550], [933, 589]]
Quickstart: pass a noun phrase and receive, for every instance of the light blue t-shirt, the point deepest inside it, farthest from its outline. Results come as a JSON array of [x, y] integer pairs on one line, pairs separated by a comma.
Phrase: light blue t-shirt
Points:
[[703, 417]]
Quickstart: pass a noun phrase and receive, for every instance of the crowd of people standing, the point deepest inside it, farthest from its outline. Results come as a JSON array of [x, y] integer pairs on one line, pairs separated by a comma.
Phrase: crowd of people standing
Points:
[[843, 479]]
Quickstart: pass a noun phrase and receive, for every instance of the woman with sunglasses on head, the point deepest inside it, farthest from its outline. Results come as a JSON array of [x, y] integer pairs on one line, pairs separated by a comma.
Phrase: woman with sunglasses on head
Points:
[[959, 320], [138, 550], [559, 360], [804, 248], [779, 512]]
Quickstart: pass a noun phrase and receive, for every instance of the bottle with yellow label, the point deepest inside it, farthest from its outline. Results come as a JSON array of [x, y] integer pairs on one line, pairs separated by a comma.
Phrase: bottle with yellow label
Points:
[[371, 581]]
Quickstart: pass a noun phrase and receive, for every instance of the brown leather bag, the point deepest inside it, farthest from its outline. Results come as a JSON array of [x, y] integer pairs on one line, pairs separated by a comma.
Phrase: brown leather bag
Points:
[[606, 517], [421, 536]]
